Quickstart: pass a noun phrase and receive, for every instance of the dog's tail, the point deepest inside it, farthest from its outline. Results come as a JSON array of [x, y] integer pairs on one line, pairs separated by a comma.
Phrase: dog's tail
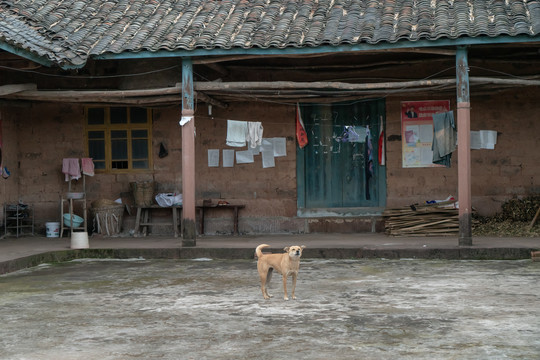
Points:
[[258, 250]]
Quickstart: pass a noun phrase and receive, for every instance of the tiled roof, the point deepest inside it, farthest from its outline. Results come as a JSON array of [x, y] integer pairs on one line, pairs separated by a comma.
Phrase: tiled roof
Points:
[[70, 31]]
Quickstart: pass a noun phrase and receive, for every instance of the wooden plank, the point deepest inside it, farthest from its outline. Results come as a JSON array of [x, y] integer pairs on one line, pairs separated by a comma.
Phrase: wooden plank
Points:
[[15, 88]]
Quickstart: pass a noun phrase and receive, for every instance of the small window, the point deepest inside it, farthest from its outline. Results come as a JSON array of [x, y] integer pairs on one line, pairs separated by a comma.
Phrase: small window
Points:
[[119, 138]]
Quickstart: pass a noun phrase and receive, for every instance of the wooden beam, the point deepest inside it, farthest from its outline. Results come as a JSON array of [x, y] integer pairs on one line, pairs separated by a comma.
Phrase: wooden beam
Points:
[[16, 88], [283, 85]]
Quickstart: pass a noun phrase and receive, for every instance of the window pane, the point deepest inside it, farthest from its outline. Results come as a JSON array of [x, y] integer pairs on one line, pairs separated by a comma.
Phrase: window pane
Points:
[[140, 164], [139, 149], [138, 115], [96, 135], [118, 115], [96, 145], [99, 165], [96, 149], [119, 150], [119, 165], [139, 134], [96, 116]]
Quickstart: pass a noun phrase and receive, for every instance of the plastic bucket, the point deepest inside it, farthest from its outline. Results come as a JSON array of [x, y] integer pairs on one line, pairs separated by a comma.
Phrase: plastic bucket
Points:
[[79, 240], [52, 229]]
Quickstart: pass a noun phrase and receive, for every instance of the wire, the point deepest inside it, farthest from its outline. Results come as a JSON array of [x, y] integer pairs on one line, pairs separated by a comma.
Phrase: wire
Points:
[[89, 76]]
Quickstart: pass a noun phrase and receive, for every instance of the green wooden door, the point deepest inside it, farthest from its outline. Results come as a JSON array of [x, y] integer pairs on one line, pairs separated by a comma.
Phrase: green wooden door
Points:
[[334, 169]]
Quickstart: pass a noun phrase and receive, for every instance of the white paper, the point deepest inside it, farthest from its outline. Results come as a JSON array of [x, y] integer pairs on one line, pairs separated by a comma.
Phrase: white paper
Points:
[[488, 139], [185, 119], [280, 146], [483, 139], [256, 150], [475, 140], [426, 133], [244, 157], [268, 158], [213, 157], [228, 158]]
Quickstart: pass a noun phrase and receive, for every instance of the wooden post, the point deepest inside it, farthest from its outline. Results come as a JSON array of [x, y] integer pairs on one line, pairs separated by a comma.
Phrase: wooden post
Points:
[[188, 156], [464, 147]]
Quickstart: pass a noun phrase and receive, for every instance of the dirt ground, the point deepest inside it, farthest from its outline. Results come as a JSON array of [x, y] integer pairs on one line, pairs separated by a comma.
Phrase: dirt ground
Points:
[[213, 309]]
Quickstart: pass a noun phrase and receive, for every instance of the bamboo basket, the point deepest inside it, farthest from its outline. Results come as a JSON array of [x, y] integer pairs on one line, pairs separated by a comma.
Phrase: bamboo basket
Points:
[[108, 216], [143, 192]]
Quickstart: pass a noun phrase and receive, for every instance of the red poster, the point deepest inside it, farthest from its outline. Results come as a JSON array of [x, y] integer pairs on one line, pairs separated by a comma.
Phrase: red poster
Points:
[[417, 131]]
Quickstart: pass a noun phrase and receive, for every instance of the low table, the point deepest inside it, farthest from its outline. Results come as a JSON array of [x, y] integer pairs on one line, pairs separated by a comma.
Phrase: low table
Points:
[[234, 207], [144, 219]]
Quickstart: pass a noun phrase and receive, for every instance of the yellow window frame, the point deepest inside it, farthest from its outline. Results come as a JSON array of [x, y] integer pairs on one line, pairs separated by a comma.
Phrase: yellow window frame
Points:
[[107, 127]]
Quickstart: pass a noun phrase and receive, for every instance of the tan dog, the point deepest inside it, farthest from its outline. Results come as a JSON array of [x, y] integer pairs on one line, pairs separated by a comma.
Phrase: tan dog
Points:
[[286, 264]]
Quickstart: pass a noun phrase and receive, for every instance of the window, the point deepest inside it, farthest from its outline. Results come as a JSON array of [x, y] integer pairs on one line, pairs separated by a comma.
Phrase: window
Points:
[[119, 138]]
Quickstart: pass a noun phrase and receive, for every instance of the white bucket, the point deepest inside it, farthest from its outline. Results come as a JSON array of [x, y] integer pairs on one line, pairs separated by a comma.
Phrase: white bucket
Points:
[[79, 240], [53, 229]]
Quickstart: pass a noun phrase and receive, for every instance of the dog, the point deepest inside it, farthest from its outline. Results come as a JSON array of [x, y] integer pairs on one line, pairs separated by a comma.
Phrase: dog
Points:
[[286, 264]]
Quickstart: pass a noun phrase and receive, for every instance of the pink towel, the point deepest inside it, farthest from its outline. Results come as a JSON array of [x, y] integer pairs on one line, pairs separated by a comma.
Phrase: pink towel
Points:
[[87, 166], [70, 167]]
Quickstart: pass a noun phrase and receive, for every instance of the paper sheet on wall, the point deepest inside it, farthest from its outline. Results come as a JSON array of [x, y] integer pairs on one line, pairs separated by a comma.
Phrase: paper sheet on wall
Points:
[[228, 158], [280, 146], [268, 159], [483, 139], [213, 157], [244, 157]]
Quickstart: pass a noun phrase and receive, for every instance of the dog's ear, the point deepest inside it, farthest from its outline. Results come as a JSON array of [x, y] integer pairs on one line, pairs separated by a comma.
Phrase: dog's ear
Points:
[[303, 247], [286, 249]]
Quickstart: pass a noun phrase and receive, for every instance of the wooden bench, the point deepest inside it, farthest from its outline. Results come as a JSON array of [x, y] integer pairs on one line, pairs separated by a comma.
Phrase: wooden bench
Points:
[[144, 219], [206, 205]]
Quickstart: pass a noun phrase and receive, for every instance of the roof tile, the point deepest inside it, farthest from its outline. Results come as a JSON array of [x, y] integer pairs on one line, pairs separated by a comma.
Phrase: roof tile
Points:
[[69, 31]]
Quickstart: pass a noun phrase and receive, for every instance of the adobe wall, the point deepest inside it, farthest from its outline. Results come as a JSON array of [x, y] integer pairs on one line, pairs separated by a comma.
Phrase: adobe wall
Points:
[[511, 169], [38, 137]]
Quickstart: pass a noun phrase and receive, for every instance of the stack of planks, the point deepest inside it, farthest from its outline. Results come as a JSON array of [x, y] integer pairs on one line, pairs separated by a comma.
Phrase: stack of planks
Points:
[[422, 220]]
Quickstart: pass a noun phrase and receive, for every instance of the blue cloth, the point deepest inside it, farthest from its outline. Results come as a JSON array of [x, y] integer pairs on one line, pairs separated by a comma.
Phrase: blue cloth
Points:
[[444, 138]]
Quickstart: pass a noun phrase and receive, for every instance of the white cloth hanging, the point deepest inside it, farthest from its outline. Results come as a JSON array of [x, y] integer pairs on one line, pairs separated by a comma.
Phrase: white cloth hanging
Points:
[[236, 133], [254, 134]]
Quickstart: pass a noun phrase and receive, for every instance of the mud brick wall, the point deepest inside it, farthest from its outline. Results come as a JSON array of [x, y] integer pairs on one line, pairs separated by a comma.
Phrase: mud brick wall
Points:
[[37, 137]]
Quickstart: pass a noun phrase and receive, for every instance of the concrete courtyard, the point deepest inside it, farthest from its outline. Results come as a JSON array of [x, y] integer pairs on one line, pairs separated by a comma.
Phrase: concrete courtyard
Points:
[[213, 309]]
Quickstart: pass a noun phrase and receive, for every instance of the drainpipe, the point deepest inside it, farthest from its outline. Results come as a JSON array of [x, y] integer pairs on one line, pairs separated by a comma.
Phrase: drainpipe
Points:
[[188, 156], [464, 146]]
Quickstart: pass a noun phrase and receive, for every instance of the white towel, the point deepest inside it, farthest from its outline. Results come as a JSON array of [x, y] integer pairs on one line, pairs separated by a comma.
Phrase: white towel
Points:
[[254, 134], [236, 133]]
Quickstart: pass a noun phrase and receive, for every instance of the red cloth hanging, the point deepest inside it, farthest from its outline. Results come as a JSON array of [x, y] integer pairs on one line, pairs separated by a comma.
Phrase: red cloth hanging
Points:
[[301, 134]]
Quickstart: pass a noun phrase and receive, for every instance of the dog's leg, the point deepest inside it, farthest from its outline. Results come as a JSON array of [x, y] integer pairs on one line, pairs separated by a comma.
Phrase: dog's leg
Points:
[[293, 285], [268, 278], [263, 276], [285, 297]]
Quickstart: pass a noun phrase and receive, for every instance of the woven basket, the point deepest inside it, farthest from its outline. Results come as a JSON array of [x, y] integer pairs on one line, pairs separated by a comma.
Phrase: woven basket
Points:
[[143, 192], [107, 218]]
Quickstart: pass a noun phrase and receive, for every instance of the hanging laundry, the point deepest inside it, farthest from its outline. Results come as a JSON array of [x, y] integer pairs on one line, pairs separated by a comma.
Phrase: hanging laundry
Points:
[[301, 135], [368, 158], [382, 159], [71, 168], [444, 138], [236, 133], [350, 135], [254, 134], [87, 166]]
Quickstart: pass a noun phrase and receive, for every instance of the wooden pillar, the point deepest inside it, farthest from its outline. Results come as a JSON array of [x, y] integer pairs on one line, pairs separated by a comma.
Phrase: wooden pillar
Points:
[[464, 147], [188, 156]]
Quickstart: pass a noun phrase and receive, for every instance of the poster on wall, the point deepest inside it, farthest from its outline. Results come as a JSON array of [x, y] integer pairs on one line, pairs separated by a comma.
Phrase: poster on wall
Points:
[[417, 131]]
